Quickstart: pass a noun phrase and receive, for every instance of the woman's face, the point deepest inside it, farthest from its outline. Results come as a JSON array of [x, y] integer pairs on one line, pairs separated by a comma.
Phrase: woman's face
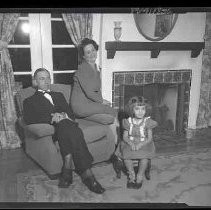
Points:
[[90, 53]]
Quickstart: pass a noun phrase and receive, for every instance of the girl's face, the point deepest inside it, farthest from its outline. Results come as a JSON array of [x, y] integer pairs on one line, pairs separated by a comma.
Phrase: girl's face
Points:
[[90, 53], [139, 111]]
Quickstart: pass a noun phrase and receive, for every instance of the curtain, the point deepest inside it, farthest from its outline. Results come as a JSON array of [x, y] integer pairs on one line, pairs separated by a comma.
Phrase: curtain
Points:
[[79, 26], [204, 111], [8, 137]]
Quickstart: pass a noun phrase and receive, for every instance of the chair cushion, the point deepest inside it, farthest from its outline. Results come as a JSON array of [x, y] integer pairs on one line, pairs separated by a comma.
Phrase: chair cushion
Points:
[[40, 130], [94, 133], [104, 119], [62, 88]]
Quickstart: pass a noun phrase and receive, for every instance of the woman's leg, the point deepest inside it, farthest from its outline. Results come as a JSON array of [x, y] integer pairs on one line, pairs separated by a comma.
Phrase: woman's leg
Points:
[[106, 119]]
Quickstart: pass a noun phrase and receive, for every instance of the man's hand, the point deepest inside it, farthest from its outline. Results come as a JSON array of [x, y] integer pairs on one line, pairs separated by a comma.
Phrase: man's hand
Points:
[[56, 117]]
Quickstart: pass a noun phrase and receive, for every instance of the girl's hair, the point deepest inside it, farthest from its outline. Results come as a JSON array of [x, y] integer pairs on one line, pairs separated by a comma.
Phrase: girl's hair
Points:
[[84, 43], [138, 101]]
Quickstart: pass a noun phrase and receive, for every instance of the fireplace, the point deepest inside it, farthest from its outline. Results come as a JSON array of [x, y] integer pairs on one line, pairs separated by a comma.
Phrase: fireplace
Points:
[[168, 92]]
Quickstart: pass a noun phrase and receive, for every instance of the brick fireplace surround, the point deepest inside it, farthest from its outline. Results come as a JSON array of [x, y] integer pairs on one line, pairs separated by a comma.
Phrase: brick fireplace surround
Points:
[[182, 76]]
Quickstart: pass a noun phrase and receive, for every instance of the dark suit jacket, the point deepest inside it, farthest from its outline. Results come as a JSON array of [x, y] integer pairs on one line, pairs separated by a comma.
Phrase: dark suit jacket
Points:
[[38, 109]]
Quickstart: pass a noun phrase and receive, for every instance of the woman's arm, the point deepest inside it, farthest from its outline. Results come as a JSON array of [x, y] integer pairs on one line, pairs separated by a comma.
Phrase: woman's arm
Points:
[[88, 84]]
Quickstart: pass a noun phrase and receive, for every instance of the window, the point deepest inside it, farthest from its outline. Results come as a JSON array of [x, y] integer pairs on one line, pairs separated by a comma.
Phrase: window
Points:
[[20, 52], [42, 40], [64, 53]]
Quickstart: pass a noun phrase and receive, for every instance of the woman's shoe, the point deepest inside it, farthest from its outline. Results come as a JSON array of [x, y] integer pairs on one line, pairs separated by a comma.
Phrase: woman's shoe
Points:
[[66, 178]]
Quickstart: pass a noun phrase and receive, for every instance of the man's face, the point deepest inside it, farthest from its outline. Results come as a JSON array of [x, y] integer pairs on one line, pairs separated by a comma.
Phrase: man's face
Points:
[[43, 80]]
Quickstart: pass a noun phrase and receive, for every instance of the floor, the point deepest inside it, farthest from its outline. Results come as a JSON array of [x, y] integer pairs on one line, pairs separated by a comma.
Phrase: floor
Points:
[[15, 161]]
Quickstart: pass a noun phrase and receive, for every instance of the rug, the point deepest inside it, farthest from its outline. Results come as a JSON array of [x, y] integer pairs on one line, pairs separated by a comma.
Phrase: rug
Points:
[[181, 178]]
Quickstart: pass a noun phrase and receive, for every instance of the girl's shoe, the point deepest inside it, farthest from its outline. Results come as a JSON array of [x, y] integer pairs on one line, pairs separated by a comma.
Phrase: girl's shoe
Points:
[[139, 182], [138, 185], [131, 182]]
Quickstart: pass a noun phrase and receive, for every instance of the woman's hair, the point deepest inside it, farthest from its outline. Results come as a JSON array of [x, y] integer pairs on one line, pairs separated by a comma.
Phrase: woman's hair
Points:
[[84, 43], [138, 101]]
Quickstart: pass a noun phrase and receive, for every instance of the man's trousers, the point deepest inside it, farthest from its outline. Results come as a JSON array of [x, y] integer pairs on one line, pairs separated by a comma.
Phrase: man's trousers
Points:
[[71, 141]]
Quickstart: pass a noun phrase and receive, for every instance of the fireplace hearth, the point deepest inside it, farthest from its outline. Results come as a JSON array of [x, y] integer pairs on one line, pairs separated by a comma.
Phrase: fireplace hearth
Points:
[[168, 92]]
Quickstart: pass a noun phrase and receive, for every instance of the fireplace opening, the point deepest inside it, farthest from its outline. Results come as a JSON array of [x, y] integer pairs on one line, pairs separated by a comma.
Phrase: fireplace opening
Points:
[[168, 91], [167, 101]]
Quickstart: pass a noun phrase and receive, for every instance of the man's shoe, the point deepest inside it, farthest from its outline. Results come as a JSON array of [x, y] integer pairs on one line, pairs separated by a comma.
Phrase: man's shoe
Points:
[[66, 178], [93, 185]]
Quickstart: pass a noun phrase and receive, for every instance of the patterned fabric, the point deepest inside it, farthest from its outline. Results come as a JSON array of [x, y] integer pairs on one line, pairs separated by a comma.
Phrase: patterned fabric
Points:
[[137, 131], [182, 177], [204, 112], [8, 136], [79, 26]]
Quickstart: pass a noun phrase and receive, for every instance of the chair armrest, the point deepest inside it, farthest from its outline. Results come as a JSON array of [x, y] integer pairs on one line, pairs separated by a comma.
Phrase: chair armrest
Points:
[[40, 130]]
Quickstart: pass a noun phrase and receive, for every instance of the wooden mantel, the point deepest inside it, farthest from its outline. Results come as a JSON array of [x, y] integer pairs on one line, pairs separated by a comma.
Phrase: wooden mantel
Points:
[[154, 47]]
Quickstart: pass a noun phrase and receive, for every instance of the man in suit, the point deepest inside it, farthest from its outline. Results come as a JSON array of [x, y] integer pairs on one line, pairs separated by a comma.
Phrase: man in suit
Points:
[[50, 107]]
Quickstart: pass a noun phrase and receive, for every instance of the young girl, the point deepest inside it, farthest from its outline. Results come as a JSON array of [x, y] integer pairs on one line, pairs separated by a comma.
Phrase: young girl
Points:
[[137, 141]]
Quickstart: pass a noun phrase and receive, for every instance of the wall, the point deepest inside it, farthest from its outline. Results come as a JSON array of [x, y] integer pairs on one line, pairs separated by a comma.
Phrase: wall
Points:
[[190, 27], [170, 100]]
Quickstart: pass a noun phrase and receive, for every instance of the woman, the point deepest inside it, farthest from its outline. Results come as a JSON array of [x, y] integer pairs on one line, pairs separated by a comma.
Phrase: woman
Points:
[[86, 98]]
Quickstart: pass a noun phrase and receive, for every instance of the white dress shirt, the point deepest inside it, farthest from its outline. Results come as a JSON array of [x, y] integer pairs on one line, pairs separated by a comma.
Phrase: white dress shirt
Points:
[[47, 95]]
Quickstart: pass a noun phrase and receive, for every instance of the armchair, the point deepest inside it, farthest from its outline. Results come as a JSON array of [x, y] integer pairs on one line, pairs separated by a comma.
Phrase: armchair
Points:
[[39, 145]]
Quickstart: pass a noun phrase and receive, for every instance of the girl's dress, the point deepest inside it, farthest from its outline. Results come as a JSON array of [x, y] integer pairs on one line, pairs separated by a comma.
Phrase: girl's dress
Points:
[[137, 133]]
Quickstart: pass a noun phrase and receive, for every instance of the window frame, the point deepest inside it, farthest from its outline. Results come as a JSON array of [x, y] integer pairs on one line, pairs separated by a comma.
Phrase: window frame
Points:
[[41, 47]]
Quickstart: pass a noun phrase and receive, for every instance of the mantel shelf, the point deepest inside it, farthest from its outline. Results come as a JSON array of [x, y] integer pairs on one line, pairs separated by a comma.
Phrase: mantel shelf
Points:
[[154, 47]]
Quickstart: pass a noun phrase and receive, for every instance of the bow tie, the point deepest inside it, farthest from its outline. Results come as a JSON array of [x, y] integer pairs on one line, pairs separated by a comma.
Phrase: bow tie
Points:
[[45, 91], [49, 92]]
